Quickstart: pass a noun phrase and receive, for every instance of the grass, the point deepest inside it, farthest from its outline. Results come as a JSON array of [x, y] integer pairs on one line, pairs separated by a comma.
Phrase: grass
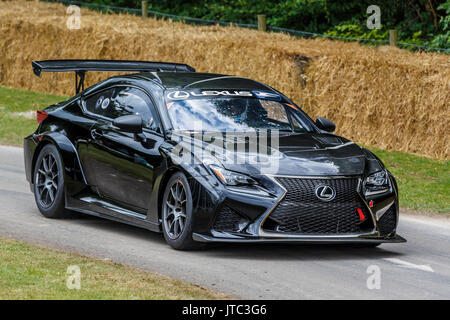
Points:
[[31, 272], [13, 127], [12, 100], [424, 183]]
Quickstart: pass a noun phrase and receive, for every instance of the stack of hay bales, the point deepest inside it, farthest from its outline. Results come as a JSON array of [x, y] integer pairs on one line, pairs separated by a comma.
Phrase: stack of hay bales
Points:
[[384, 97]]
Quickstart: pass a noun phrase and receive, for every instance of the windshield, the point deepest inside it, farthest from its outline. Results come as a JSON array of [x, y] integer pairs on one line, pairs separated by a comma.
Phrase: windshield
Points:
[[233, 114]]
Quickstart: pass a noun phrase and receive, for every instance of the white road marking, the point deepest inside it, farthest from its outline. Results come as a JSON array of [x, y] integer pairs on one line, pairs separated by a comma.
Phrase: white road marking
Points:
[[401, 263]]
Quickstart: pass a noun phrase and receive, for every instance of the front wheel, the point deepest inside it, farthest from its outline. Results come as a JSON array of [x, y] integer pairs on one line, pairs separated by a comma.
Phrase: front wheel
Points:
[[49, 183], [177, 214]]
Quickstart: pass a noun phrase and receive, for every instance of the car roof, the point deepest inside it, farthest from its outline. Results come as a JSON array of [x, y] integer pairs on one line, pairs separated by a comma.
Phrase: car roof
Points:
[[198, 80]]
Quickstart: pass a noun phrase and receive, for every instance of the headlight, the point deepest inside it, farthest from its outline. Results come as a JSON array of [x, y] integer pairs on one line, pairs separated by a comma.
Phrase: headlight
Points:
[[231, 178], [377, 179], [376, 183], [238, 182]]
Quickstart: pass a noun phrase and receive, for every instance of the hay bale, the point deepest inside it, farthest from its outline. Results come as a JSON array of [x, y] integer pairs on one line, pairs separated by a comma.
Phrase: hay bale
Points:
[[384, 97]]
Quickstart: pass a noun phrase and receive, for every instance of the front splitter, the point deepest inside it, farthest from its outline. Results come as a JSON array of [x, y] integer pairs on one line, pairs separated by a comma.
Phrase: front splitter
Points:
[[305, 240]]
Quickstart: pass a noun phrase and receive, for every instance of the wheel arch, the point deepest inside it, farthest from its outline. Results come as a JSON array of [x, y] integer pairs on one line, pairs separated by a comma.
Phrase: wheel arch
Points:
[[67, 151], [162, 185], [36, 153]]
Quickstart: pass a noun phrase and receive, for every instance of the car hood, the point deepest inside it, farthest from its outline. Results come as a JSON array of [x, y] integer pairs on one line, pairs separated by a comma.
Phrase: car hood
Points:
[[307, 154]]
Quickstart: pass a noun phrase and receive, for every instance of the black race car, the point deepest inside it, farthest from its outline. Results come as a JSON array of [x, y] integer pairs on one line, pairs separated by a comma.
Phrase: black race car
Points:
[[204, 158]]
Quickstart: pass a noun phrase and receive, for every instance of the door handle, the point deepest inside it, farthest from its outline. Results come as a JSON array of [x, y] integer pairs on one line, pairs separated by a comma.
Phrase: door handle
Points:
[[96, 134]]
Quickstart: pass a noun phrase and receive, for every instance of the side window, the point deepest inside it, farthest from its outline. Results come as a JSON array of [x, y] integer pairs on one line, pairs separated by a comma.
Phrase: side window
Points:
[[99, 102], [121, 101], [126, 101]]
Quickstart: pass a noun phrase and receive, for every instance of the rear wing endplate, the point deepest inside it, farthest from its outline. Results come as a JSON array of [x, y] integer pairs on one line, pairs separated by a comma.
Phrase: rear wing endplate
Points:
[[80, 67]]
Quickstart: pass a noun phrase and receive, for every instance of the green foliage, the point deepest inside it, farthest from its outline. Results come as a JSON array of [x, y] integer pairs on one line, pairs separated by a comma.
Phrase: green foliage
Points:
[[305, 15], [357, 31], [443, 39], [415, 20], [353, 30], [421, 22]]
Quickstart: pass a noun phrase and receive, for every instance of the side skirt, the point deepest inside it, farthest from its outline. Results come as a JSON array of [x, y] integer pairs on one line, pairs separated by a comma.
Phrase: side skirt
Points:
[[103, 209]]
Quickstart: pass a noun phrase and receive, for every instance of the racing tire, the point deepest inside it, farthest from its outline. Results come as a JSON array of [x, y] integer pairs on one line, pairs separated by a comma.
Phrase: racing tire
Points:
[[177, 218], [48, 184]]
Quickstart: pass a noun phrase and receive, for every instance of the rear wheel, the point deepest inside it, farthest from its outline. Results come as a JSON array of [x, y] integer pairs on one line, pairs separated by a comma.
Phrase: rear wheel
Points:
[[49, 183], [177, 214]]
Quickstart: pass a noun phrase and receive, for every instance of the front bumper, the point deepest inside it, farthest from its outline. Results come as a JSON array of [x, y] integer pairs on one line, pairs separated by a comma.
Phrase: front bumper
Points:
[[250, 212], [301, 240]]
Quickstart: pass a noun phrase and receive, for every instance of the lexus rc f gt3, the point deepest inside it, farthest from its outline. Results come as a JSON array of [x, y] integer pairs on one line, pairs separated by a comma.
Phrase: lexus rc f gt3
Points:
[[204, 158]]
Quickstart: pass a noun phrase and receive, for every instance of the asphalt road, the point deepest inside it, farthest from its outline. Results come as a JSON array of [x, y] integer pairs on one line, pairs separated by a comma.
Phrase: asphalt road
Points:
[[418, 269]]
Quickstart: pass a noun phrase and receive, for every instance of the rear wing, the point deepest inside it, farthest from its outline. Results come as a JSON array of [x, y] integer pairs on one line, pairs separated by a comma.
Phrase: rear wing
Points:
[[80, 67]]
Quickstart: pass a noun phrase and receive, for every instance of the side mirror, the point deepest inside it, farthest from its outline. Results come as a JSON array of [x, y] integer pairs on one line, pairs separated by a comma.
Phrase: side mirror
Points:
[[325, 124], [130, 123]]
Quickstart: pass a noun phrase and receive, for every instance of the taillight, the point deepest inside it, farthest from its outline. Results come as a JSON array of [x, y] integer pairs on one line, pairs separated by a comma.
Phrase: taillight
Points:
[[41, 116]]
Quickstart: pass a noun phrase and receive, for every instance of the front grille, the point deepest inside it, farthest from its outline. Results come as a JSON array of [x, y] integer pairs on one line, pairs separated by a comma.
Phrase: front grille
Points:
[[227, 219], [301, 211], [388, 221]]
